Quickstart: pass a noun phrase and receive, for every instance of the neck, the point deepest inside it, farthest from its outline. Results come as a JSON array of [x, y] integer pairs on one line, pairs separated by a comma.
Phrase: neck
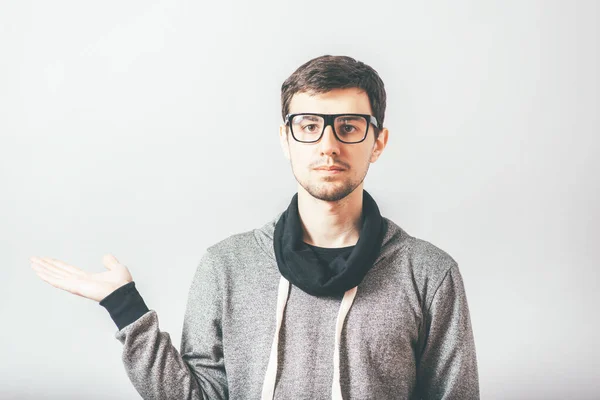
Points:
[[331, 224]]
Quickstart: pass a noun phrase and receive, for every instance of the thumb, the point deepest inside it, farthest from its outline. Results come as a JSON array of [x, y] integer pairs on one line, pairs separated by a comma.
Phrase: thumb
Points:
[[110, 261]]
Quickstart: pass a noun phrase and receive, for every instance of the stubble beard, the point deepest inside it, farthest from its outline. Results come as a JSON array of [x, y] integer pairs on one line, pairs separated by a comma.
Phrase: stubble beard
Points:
[[330, 188]]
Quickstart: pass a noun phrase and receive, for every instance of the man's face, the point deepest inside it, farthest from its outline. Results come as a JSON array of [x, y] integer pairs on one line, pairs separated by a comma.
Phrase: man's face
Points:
[[328, 151]]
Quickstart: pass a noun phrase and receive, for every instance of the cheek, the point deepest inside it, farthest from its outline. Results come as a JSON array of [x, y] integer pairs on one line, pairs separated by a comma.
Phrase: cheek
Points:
[[300, 157], [361, 158]]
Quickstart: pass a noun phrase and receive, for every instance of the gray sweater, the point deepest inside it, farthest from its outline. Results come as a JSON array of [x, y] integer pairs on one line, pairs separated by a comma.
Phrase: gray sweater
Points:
[[407, 334]]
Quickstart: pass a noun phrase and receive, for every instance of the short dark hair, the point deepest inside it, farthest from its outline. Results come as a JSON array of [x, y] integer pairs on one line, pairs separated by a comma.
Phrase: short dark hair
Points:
[[326, 73]]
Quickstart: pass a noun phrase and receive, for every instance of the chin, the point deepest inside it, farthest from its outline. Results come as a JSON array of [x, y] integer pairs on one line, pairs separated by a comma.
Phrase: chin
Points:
[[329, 191]]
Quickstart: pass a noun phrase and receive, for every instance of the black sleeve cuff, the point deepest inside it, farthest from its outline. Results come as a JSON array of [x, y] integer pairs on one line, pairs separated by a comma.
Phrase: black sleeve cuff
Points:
[[125, 305]]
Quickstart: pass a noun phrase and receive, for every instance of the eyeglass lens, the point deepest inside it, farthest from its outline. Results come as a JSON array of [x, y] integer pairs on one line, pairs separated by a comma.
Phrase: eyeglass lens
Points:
[[349, 128]]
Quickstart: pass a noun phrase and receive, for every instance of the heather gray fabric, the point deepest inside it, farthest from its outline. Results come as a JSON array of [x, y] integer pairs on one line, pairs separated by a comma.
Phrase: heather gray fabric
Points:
[[408, 334]]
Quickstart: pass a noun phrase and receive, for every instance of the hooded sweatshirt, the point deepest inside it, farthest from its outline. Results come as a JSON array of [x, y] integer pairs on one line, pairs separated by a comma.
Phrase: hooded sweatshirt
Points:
[[403, 333]]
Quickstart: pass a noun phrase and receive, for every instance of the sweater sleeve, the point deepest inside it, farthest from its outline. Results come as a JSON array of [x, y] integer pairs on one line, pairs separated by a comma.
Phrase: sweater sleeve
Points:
[[154, 366], [447, 367], [125, 305]]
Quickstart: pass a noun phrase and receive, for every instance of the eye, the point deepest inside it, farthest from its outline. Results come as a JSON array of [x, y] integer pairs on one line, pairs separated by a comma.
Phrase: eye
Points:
[[348, 128], [310, 128]]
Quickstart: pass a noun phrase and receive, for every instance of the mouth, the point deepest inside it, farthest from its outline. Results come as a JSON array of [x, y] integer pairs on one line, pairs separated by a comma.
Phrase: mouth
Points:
[[329, 170]]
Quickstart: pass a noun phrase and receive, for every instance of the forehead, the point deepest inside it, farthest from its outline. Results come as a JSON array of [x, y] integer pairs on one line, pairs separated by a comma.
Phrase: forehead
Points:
[[336, 101]]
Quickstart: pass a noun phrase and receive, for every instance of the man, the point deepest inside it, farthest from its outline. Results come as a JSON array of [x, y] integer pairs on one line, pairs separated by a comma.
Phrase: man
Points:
[[327, 300]]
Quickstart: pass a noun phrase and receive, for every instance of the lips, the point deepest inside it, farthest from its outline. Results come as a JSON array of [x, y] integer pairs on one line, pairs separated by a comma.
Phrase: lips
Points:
[[333, 168]]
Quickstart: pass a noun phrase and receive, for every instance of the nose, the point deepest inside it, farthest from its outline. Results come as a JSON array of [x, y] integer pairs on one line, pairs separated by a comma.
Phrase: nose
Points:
[[329, 143]]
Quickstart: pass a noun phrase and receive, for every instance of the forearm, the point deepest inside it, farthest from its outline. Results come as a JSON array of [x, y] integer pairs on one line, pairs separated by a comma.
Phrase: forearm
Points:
[[153, 364]]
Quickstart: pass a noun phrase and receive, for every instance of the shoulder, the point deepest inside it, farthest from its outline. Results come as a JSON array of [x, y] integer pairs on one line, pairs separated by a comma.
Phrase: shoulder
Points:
[[239, 266], [423, 256], [429, 259], [221, 260], [253, 242], [233, 244], [426, 263], [239, 253]]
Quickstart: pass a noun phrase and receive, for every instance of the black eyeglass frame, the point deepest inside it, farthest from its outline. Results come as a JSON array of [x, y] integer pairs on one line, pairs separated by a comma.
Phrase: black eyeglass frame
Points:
[[329, 120]]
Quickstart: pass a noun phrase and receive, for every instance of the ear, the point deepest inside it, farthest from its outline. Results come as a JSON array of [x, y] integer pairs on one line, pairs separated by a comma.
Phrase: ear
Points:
[[379, 144], [283, 141]]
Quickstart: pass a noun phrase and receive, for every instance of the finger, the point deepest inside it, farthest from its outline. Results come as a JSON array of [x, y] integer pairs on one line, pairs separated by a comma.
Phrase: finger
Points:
[[56, 282], [51, 269], [64, 266], [47, 276], [110, 261], [39, 266]]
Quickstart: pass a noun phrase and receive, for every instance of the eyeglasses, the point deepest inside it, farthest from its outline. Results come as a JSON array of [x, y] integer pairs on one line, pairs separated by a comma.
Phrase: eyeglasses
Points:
[[347, 128]]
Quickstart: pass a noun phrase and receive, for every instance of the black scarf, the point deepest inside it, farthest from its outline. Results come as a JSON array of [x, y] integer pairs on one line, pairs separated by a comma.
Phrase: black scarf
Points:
[[300, 266]]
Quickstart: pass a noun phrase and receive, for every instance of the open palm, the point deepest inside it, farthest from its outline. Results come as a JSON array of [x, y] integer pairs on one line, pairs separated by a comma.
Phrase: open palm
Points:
[[93, 286]]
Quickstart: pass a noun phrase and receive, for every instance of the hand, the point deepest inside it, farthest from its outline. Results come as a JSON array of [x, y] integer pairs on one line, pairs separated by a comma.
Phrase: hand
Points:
[[74, 280]]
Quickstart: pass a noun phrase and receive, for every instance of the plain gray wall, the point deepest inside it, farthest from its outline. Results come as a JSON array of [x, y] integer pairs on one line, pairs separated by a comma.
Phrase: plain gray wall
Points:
[[148, 129]]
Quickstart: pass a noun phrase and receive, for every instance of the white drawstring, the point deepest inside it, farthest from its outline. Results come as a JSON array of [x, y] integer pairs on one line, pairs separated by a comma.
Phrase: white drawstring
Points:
[[271, 374], [336, 390]]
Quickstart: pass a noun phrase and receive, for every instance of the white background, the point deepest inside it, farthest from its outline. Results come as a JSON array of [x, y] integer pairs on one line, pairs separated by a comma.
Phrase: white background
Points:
[[148, 129]]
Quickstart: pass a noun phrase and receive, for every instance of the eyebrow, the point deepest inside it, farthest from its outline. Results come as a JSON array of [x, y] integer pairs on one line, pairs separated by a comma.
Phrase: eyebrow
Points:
[[350, 118], [308, 117]]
